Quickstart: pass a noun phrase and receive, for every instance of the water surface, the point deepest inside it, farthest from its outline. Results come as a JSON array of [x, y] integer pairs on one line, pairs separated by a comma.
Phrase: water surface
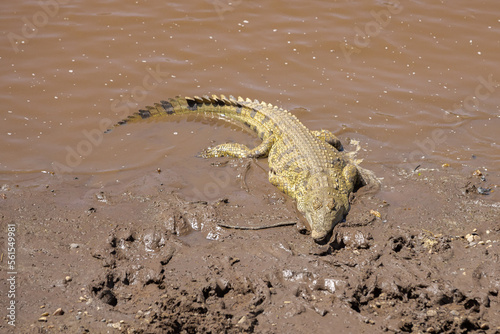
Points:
[[415, 82]]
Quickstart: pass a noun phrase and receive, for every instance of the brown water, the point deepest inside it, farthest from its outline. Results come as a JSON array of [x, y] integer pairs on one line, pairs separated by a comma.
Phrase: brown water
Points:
[[415, 82]]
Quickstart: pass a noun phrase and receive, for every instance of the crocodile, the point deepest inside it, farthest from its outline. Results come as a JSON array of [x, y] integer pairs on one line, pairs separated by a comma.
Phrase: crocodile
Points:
[[309, 166]]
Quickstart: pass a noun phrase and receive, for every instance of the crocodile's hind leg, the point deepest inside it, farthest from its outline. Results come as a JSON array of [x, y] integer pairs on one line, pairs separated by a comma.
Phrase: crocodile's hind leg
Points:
[[329, 137], [351, 176], [368, 180], [237, 150], [357, 177]]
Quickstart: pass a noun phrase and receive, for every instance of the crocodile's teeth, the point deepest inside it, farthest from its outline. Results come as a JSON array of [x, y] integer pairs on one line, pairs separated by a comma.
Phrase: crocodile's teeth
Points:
[[198, 99], [206, 99]]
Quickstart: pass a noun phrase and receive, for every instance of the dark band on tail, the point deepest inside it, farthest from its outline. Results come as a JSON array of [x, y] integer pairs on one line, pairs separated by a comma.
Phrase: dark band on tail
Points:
[[144, 113], [169, 108], [181, 105]]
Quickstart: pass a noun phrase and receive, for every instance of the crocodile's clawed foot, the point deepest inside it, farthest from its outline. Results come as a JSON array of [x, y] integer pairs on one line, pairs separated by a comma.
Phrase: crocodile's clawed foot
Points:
[[234, 150], [208, 153]]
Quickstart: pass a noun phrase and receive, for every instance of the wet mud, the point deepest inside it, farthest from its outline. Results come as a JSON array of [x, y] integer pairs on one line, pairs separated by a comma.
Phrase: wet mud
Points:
[[420, 255]]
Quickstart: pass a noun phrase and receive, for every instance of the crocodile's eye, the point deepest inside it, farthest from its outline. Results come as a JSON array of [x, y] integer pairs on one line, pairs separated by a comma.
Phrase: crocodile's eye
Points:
[[316, 203], [330, 204]]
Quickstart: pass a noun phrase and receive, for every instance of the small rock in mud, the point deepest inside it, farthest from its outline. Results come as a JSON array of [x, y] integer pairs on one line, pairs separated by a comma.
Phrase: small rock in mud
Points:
[[222, 287], [59, 311], [357, 240], [101, 197], [153, 240], [431, 313]]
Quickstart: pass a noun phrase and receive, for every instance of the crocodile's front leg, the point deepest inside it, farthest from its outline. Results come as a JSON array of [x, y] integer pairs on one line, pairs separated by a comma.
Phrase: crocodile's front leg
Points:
[[283, 183], [329, 137], [237, 150]]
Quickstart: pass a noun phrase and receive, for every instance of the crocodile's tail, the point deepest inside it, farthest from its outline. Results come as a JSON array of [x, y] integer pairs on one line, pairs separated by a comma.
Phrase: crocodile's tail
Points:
[[245, 112]]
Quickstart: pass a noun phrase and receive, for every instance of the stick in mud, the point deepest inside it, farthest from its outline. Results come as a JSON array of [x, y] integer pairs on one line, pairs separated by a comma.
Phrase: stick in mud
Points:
[[257, 227]]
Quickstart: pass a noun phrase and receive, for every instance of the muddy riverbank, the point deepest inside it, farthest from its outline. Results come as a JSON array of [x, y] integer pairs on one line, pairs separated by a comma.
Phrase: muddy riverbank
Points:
[[421, 255]]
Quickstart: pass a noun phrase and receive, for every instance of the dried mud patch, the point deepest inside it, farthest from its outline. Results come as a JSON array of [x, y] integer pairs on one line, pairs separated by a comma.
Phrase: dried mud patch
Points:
[[421, 255]]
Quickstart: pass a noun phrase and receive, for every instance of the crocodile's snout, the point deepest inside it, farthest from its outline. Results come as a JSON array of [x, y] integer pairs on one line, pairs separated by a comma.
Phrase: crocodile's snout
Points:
[[322, 217], [321, 229], [321, 238]]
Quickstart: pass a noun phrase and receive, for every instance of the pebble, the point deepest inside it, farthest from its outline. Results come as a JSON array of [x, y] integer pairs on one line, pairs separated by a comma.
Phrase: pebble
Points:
[[115, 325], [59, 311], [45, 314], [431, 313], [73, 246], [222, 286], [68, 279], [242, 320], [472, 238], [101, 197], [42, 319]]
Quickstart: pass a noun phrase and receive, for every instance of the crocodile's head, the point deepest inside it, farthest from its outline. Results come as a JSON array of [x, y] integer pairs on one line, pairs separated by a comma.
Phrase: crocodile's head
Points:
[[324, 206]]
